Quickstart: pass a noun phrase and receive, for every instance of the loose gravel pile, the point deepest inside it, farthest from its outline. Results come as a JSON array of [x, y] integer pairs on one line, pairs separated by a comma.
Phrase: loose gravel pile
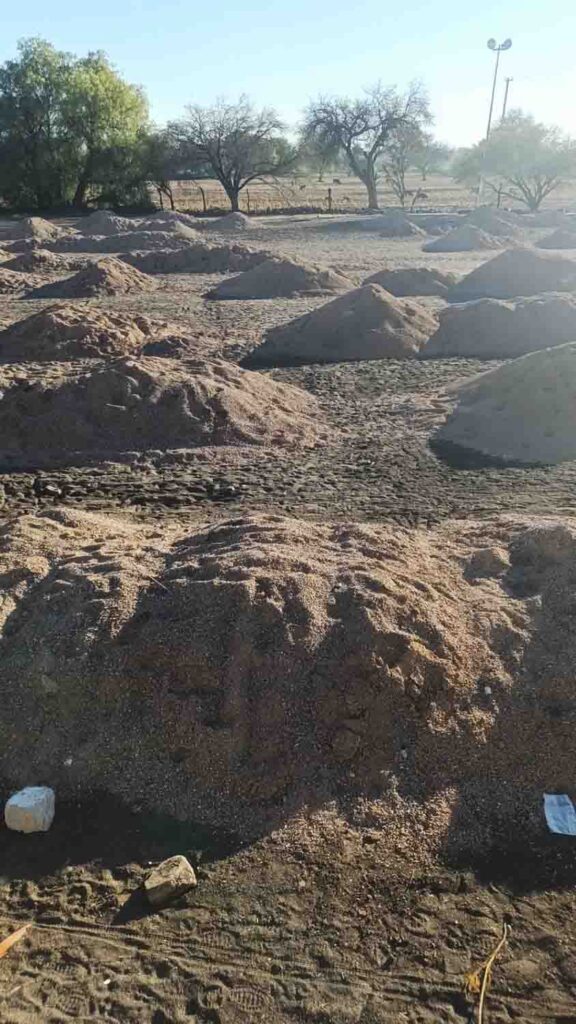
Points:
[[34, 228], [128, 241], [562, 238], [104, 222], [42, 261]]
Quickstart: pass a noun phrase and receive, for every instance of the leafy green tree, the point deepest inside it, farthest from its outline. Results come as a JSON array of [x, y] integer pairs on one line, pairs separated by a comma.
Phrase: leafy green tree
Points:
[[523, 160], [236, 143], [103, 114], [60, 118], [362, 129]]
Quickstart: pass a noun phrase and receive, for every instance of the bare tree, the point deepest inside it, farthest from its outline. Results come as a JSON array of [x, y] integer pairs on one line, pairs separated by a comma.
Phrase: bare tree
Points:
[[398, 158], [362, 128], [236, 142]]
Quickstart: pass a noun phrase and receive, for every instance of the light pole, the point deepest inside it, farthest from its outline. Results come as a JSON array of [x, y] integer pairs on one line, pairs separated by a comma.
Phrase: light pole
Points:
[[497, 48], [506, 91]]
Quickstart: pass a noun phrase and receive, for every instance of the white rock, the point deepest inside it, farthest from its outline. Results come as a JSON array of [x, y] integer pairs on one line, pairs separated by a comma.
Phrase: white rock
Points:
[[30, 810], [171, 878]]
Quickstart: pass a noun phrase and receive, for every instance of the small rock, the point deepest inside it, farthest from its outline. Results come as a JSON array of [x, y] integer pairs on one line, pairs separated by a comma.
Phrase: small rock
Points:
[[171, 878], [30, 810]]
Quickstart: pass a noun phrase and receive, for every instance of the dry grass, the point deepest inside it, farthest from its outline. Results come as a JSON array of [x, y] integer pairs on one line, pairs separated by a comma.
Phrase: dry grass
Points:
[[348, 193]]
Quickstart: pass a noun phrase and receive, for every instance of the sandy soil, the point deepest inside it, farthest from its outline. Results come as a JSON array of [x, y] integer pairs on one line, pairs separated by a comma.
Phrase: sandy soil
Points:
[[319, 922]]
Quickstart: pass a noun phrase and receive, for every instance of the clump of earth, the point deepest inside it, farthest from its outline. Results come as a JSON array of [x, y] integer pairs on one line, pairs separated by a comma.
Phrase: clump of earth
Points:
[[365, 323], [107, 277], [238, 672], [127, 241], [562, 238], [67, 332], [408, 281], [147, 403], [517, 272], [521, 413], [466, 238], [496, 329], [198, 258], [282, 276], [35, 228]]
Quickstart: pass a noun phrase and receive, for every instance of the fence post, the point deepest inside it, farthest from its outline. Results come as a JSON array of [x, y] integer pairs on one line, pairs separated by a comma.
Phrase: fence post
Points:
[[329, 200]]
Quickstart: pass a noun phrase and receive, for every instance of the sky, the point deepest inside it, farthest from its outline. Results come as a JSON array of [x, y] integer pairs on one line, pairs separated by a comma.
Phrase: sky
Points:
[[284, 54]]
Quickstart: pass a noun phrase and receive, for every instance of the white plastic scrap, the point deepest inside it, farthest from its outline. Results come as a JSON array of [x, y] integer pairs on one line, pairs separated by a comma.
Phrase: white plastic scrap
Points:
[[560, 814]]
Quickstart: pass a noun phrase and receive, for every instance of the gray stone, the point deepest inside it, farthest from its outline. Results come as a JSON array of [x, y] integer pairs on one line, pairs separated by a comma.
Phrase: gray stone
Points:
[[168, 880]]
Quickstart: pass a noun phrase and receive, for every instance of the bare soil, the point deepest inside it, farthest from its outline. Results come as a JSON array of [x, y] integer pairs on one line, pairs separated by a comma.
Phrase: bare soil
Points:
[[320, 921]]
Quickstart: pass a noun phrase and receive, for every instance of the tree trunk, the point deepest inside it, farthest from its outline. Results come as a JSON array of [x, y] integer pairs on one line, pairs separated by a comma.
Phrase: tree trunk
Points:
[[234, 197], [372, 194], [80, 193]]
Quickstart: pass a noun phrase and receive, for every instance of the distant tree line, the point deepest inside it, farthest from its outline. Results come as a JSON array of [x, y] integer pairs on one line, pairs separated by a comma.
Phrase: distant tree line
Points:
[[74, 134]]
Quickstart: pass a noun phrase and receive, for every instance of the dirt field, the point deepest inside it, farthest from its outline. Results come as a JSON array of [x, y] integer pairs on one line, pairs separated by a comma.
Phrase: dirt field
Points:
[[319, 922], [347, 194]]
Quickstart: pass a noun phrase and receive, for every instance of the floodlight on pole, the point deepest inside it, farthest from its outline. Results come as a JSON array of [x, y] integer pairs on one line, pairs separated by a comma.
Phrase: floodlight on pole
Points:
[[497, 48]]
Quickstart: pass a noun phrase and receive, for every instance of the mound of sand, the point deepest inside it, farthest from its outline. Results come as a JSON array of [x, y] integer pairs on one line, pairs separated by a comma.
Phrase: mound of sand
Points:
[[282, 276], [149, 403], [197, 258], [34, 228], [236, 673], [232, 223], [516, 272], [62, 333], [42, 261], [104, 222], [11, 281], [366, 323], [494, 329], [168, 220], [128, 242], [466, 238], [413, 281], [391, 224], [107, 277], [522, 413], [494, 222], [562, 238]]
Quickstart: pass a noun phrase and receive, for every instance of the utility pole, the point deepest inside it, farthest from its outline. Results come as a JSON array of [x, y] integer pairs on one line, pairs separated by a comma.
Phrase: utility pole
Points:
[[497, 48], [506, 91]]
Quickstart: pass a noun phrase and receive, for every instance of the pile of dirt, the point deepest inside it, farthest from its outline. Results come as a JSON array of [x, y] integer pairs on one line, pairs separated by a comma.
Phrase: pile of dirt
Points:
[[232, 223], [281, 276], [149, 403], [107, 277], [34, 228], [197, 258], [467, 238], [562, 238], [495, 329], [42, 261], [494, 222], [62, 333], [516, 272], [104, 222], [130, 241], [522, 413], [12, 282], [366, 323], [391, 224], [168, 220], [413, 281], [238, 673]]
